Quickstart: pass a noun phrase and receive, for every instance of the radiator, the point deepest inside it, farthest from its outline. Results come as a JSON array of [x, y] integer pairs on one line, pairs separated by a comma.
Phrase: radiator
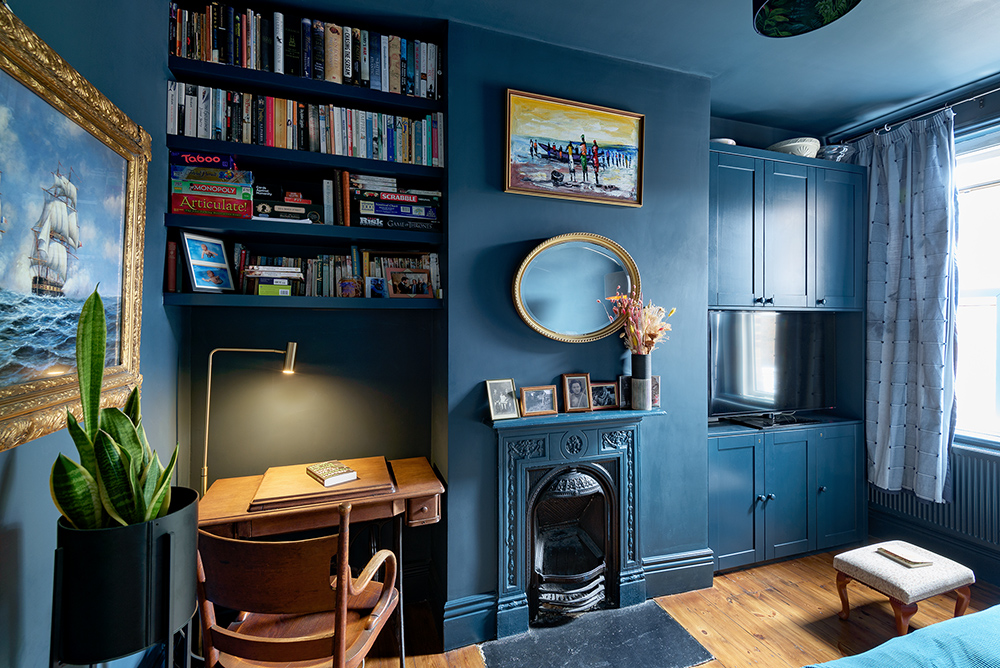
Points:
[[975, 514]]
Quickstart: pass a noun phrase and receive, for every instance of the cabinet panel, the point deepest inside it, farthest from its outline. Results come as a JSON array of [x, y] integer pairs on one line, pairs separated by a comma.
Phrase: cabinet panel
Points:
[[839, 486], [787, 486], [735, 269], [735, 525], [839, 220], [787, 240]]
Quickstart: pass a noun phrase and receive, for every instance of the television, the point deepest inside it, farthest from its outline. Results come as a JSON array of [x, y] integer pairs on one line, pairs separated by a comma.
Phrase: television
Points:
[[771, 362]]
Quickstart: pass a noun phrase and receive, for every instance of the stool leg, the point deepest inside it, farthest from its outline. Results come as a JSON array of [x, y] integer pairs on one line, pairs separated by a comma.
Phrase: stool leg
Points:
[[842, 580], [962, 604], [903, 612]]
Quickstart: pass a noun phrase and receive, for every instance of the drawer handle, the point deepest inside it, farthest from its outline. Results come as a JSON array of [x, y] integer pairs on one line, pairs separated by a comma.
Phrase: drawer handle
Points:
[[758, 300], [769, 301], [821, 302], [822, 488], [771, 497], [424, 508], [761, 498]]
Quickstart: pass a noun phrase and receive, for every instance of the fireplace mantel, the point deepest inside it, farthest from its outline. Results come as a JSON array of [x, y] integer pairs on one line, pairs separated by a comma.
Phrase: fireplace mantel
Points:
[[529, 452]]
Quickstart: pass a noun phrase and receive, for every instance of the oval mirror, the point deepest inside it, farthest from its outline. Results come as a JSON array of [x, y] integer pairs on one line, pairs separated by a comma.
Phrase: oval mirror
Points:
[[561, 287]]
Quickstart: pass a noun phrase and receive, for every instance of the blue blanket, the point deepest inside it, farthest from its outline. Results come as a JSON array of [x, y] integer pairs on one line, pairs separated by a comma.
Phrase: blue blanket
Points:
[[971, 641]]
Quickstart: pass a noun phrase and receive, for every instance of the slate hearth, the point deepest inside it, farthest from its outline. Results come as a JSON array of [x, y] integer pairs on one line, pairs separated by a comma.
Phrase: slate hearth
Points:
[[545, 526]]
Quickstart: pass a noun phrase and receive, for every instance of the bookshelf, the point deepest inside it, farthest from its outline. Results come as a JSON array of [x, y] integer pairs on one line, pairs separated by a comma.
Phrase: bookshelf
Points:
[[275, 238]]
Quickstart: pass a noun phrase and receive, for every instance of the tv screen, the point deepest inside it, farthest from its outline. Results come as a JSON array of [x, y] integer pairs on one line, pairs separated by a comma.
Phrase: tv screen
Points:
[[771, 362]]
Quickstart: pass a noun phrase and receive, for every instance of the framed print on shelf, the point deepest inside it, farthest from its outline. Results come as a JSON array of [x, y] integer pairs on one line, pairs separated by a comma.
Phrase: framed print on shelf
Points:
[[624, 391], [655, 390], [573, 150], [576, 392], [539, 400], [73, 170], [503, 400], [604, 395], [206, 259], [410, 283]]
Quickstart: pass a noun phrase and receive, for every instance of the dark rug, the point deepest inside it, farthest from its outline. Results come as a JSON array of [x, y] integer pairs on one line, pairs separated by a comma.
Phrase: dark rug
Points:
[[640, 636]]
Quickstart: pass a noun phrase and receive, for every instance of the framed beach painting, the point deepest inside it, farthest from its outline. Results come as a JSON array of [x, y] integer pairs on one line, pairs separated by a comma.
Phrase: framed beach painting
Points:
[[572, 150], [72, 213]]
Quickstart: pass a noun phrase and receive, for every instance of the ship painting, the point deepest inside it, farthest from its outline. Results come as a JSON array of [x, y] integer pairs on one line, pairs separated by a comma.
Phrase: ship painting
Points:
[[57, 236], [3, 219]]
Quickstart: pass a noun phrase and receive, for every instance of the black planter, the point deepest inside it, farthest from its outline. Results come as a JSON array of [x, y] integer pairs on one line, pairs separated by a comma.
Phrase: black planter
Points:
[[117, 591]]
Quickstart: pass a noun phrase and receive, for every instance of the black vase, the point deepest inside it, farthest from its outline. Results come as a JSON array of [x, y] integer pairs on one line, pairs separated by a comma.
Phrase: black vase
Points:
[[641, 383], [117, 591]]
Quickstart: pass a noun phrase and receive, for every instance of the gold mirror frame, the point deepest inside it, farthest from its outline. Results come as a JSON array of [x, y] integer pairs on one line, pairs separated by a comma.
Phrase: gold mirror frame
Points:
[[598, 240], [32, 409]]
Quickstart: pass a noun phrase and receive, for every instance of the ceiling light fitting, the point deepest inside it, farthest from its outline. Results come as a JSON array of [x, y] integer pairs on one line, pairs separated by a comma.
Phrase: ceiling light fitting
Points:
[[787, 18]]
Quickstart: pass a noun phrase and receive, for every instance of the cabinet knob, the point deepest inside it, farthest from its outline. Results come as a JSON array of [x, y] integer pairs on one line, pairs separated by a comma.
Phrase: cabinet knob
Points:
[[760, 498], [758, 300], [769, 300], [822, 488], [770, 497], [821, 302]]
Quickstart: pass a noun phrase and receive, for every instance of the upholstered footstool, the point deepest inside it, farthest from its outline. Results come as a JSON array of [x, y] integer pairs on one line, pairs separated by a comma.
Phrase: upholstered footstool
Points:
[[904, 586]]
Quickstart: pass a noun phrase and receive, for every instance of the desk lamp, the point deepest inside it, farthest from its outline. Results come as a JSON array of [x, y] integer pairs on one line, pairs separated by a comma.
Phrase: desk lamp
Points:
[[289, 368]]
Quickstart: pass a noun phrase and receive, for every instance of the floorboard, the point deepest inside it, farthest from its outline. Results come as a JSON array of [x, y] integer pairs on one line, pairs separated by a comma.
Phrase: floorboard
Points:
[[777, 615]]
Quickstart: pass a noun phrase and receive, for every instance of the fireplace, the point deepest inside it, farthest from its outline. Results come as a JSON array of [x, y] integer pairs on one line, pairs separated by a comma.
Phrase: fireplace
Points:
[[568, 521]]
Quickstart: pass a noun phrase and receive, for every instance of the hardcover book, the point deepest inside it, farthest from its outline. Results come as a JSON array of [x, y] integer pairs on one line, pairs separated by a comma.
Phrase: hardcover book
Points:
[[375, 60], [293, 47], [365, 63], [394, 64], [331, 473], [291, 486], [279, 43], [305, 48], [334, 52], [347, 34], [319, 50], [356, 56]]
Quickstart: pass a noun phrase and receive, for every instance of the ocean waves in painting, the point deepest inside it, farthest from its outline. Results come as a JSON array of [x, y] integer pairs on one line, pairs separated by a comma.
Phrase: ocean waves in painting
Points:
[[38, 335]]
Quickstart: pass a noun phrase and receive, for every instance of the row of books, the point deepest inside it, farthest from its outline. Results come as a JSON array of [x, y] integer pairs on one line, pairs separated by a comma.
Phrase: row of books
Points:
[[360, 273], [310, 48], [264, 120]]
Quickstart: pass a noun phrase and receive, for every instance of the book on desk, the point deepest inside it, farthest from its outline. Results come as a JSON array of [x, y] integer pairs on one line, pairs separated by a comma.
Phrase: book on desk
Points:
[[291, 486]]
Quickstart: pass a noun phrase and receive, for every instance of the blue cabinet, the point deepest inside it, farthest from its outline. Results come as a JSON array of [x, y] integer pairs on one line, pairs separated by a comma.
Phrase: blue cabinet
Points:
[[784, 233], [779, 493]]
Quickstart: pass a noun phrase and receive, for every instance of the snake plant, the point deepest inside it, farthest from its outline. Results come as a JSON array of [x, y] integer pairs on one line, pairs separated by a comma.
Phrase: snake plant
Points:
[[119, 479]]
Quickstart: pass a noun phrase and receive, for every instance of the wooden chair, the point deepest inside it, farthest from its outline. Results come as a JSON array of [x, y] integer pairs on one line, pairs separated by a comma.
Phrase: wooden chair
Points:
[[291, 608]]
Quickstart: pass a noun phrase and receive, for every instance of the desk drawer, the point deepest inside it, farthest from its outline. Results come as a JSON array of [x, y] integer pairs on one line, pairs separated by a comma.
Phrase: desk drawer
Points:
[[423, 510]]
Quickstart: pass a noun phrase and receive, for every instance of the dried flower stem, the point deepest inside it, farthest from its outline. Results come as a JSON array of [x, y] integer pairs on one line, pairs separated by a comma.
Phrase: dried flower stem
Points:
[[643, 326]]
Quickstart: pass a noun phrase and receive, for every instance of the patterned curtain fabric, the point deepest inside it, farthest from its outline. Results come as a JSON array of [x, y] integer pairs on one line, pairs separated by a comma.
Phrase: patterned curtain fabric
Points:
[[912, 300]]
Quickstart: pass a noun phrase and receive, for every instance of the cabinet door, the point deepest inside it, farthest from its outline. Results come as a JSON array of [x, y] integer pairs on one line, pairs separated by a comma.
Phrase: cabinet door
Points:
[[839, 229], [839, 488], [788, 215], [736, 528], [789, 526], [734, 260]]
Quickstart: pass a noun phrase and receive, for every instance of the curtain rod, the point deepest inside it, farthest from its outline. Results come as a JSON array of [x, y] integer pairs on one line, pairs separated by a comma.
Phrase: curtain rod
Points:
[[887, 127]]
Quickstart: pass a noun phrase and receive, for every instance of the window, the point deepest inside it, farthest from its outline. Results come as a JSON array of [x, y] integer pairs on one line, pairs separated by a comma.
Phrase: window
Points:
[[977, 177]]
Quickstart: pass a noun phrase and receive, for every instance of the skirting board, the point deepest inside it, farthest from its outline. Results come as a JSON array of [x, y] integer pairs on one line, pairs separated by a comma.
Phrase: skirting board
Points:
[[676, 573], [469, 620], [984, 561]]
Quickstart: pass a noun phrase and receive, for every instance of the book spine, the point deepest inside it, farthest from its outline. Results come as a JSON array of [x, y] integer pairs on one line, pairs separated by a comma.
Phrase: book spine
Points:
[[345, 184], [440, 138], [305, 41], [410, 64], [171, 107], [302, 138], [279, 43], [432, 71], [422, 59], [394, 64], [291, 110], [246, 123], [334, 52], [328, 201], [347, 57], [190, 110], [171, 268], [384, 62], [356, 56], [266, 44], [375, 60], [319, 50], [365, 62], [293, 47], [322, 130], [231, 57], [313, 126], [403, 58]]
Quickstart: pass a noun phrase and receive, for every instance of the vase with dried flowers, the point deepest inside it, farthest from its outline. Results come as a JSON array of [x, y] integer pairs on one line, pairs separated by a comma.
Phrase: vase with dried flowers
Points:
[[643, 328]]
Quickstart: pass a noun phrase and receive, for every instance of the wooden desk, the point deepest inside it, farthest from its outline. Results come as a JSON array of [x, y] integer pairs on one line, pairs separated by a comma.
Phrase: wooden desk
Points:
[[416, 495], [415, 499]]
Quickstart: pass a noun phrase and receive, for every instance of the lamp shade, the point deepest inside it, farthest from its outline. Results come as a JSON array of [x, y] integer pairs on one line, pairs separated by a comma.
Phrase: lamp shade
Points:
[[787, 18]]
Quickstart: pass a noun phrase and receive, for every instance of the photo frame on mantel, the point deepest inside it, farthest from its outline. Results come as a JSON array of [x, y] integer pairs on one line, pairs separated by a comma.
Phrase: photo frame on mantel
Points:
[[91, 160], [573, 150]]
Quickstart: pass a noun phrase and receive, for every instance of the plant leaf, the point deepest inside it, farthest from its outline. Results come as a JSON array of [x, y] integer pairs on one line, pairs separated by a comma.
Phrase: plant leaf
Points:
[[84, 446], [75, 493], [113, 479], [147, 483], [161, 498], [91, 342], [134, 412], [119, 427]]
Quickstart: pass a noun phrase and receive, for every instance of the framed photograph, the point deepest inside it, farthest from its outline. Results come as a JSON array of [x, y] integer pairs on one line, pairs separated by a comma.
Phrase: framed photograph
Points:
[[410, 283], [604, 395], [503, 400], [625, 391], [72, 216], [655, 389], [375, 287], [206, 259], [572, 150], [539, 400], [576, 392]]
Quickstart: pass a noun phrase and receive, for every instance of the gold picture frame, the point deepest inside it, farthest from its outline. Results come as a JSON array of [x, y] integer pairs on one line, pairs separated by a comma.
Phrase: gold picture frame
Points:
[[573, 150], [37, 75]]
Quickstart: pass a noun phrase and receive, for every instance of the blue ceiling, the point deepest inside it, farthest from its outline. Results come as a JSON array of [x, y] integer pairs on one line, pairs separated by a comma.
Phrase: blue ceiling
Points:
[[882, 56]]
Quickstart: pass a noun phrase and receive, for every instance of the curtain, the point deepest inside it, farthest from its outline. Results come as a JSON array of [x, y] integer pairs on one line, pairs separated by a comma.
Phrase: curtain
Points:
[[910, 353]]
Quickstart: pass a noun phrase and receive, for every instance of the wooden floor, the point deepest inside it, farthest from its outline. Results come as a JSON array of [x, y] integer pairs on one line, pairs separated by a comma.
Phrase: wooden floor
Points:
[[774, 616]]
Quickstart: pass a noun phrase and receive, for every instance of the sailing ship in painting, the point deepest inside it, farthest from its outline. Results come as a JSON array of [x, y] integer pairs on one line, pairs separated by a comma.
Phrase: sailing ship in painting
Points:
[[57, 236]]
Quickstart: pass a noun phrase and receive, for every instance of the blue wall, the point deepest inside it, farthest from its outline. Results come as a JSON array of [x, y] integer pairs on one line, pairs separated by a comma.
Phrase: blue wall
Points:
[[118, 47], [489, 234]]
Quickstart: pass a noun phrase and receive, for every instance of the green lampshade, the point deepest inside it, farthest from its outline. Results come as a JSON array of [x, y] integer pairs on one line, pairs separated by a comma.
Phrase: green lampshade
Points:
[[787, 18]]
